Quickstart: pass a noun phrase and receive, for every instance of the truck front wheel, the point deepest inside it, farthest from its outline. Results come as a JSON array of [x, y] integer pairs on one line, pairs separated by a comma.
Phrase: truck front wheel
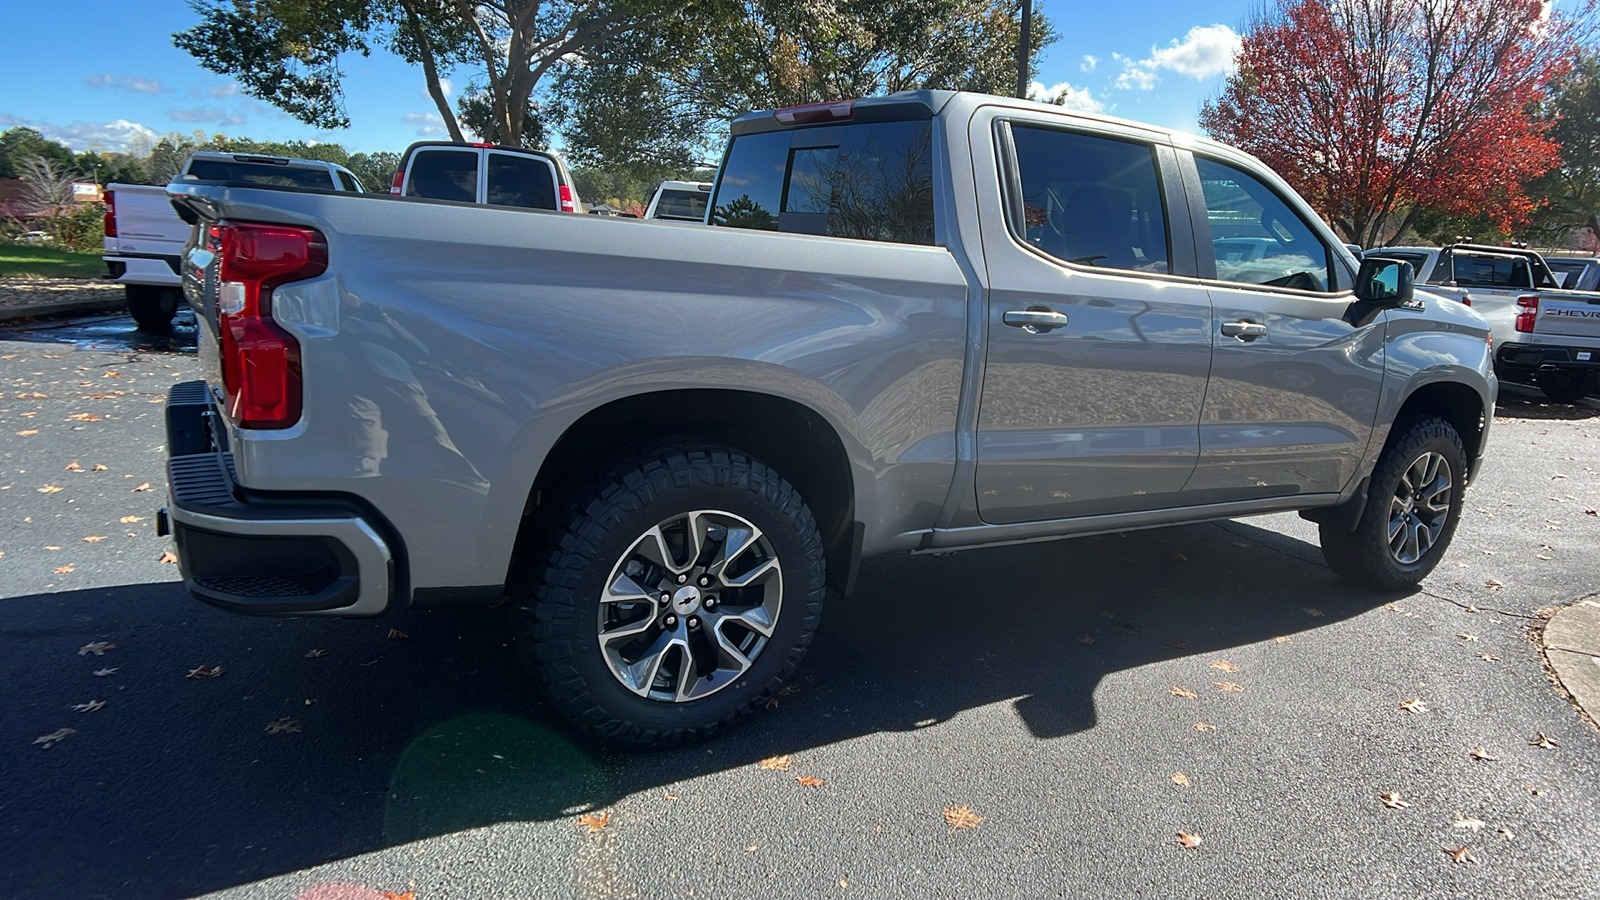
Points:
[[152, 306], [1568, 386], [684, 586], [1414, 502]]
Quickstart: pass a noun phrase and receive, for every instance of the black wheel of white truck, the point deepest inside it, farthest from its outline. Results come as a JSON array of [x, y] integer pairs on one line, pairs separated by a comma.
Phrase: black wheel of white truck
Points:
[[684, 588], [1568, 386], [152, 307], [1413, 506]]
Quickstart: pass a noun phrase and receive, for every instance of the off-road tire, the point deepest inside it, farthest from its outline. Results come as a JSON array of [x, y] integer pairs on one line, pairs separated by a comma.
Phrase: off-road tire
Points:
[[557, 604], [1566, 386], [152, 306], [1364, 555]]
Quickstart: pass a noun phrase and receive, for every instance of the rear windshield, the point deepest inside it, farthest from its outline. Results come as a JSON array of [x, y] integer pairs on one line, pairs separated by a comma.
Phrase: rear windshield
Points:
[[257, 173], [682, 205], [1417, 260], [444, 175], [871, 181], [1490, 271], [1566, 270]]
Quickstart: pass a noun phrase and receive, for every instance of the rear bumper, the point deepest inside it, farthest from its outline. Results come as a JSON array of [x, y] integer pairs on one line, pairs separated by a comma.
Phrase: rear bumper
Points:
[[155, 270], [1513, 358], [265, 554]]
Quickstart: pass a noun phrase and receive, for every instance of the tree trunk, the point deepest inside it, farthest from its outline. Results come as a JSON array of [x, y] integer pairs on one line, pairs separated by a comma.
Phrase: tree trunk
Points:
[[430, 69]]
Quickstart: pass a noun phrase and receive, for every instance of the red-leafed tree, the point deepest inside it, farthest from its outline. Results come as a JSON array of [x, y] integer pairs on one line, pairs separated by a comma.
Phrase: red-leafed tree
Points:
[[1377, 109]]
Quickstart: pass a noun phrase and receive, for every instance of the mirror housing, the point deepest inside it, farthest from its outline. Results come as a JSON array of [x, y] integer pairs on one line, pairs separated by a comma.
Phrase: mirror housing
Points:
[[1385, 282]]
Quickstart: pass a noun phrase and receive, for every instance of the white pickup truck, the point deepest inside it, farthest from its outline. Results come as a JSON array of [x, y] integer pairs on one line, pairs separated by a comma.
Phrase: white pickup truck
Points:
[[1543, 335], [145, 238]]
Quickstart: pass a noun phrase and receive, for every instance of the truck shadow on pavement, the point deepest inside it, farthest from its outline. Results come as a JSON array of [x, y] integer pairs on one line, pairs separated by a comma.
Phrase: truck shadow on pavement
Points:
[[321, 740]]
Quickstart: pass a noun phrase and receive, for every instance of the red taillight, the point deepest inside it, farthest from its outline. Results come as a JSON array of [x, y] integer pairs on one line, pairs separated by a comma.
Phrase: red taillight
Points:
[[815, 112], [566, 200], [111, 215], [1527, 312], [261, 361], [398, 184]]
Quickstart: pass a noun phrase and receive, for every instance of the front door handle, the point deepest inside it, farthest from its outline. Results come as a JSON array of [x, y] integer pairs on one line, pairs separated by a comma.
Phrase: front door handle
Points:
[[1244, 331], [1034, 319]]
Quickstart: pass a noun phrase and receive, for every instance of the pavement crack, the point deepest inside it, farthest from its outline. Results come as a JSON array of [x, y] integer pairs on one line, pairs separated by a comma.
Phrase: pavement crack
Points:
[[1473, 607]]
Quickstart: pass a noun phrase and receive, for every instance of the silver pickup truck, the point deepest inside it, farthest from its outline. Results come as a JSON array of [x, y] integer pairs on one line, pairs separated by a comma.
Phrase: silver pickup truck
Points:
[[919, 322]]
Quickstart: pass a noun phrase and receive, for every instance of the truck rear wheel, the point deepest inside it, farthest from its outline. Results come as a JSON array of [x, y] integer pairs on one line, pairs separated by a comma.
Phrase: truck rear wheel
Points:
[[684, 586], [151, 306], [1413, 506], [1568, 386]]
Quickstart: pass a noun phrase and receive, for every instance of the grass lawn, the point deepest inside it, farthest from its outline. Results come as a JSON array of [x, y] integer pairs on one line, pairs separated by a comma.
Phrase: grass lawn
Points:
[[29, 259]]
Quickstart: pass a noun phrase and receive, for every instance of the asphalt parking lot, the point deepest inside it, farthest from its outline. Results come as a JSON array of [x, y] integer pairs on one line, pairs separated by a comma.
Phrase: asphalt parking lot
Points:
[[1058, 691]]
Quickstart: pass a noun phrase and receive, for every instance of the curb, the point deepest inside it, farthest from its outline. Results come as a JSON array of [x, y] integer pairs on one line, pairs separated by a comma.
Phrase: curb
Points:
[[38, 310], [1572, 645]]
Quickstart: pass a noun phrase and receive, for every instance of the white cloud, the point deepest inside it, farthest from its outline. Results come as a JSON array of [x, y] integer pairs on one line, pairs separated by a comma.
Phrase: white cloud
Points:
[[428, 124], [1206, 51], [223, 91], [1088, 64], [135, 83], [112, 136], [206, 114], [1065, 95]]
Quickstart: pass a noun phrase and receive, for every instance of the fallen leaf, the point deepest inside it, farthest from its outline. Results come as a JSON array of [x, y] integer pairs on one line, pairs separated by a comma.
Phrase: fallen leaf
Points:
[[1461, 855], [84, 417], [789, 690], [591, 822], [91, 706], [391, 895], [55, 737], [72, 467], [130, 519], [669, 796], [94, 539], [51, 489], [316, 654], [962, 817], [1415, 705], [1183, 692], [202, 671], [1488, 657], [1204, 726], [1543, 741], [101, 673], [1228, 687], [25, 434], [1280, 639], [51, 547], [62, 570], [1313, 612], [1494, 584], [1537, 792], [1392, 800], [1474, 825], [1467, 637], [1506, 833], [1482, 753], [772, 703], [809, 781], [284, 725], [372, 662], [1188, 841], [1177, 645], [142, 487], [396, 634], [753, 848], [777, 763], [1225, 666], [98, 648], [100, 468], [1085, 639], [1180, 779], [167, 556]]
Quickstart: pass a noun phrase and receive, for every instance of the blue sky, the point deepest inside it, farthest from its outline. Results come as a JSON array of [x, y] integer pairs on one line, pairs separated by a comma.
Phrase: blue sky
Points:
[[107, 73]]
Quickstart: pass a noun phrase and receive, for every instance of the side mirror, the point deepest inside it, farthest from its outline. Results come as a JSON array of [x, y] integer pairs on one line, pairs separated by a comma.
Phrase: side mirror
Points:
[[1386, 282]]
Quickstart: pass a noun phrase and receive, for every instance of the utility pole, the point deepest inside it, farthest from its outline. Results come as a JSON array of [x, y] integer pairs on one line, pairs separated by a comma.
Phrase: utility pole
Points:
[[1023, 47]]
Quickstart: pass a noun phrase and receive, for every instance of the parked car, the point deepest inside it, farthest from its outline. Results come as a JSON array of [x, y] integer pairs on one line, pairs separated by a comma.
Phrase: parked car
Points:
[[681, 201], [485, 174], [144, 236], [1575, 273], [921, 322], [1543, 336]]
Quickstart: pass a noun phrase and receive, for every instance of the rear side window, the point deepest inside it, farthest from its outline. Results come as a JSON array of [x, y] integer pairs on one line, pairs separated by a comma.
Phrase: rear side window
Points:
[[525, 181], [870, 181], [348, 182], [444, 175], [682, 205], [257, 173], [1092, 201]]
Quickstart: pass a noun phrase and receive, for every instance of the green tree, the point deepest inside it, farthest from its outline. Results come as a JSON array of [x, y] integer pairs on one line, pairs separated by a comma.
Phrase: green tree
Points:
[[375, 170], [1571, 191], [773, 53], [17, 144], [286, 52]]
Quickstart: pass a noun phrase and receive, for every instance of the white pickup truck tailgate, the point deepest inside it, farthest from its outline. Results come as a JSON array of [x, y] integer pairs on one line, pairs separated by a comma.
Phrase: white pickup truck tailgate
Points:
[[1568, 314], [146, 222]]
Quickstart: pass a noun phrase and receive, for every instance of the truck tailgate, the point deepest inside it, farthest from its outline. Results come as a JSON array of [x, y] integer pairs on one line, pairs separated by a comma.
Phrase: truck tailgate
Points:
[[1569, 314], [146, 223]]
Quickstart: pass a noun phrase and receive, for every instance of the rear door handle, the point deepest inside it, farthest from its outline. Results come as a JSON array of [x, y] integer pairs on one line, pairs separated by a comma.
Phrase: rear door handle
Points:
[[1244, 331], [1035, 320]]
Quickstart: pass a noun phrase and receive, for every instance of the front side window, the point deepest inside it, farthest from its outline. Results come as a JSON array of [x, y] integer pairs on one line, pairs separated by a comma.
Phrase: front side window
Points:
[[1092, 201], [871, 181], [1255, 237]]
